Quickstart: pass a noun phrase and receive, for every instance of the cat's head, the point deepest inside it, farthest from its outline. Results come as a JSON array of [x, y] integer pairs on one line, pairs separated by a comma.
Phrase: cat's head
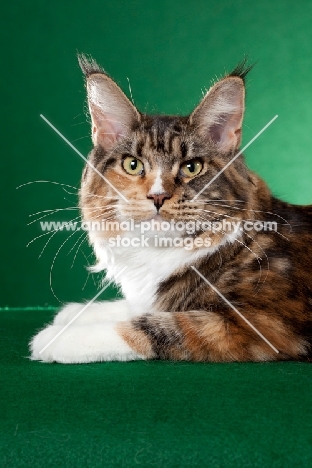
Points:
[[161, 167]]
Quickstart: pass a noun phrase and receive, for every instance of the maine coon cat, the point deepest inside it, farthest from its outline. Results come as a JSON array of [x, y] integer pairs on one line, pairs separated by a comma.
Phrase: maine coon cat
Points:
[[170, 168]]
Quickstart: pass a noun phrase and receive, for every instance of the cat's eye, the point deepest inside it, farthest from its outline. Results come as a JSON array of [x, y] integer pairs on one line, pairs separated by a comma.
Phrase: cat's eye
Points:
[[191, 168], [132, 165]]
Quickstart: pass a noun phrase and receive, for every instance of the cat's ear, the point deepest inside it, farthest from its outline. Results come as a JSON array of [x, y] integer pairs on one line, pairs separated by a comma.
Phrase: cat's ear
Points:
[[113, 115], [219, 116]]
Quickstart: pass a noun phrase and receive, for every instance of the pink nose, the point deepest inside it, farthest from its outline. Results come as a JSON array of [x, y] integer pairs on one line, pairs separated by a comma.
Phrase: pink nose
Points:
[[159, 199]]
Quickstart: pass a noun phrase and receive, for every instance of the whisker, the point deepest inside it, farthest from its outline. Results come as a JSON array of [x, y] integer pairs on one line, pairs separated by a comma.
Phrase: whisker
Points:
[[78, 249], [72, 248], [241, 219], [54, 231], [255, 211], [55, 209], [79, 123], [267, 260], [87, 271], [90, 194], [219, 200], [50, 212], [52, 265], [51, 239], [70, 193], [81, 138], [248, 248], [88, 276], [46, 182], [226, 216]]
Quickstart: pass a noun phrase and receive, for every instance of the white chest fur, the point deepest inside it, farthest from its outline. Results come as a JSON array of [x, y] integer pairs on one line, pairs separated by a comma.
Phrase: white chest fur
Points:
[[139, 271]]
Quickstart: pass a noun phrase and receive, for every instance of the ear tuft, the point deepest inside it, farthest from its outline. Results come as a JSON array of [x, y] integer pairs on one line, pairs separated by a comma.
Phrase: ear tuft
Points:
[[219, 116], [113, 115], [89, 66], [242, 69]]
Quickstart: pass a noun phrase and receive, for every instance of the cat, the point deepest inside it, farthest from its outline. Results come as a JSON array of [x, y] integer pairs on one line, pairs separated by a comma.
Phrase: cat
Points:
[[183, 299]]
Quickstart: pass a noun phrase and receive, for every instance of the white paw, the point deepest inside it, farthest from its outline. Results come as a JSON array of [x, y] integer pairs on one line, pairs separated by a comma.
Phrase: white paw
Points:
[[79, 314], [81, 344]]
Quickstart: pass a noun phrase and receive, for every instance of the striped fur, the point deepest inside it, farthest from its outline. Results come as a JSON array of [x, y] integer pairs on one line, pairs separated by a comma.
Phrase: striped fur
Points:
[[170, 312]]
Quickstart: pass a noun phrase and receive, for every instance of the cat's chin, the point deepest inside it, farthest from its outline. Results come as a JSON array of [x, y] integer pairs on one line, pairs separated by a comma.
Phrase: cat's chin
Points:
[[157, 217]]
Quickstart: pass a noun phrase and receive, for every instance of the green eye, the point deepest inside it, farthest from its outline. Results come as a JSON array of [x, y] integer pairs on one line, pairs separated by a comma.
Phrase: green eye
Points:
[[132, 166], [191, 168]]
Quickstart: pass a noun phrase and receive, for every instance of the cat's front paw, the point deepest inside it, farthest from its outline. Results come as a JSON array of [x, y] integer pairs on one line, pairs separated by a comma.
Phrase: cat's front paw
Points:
[[81, 344], [83, 314], [43, 345]]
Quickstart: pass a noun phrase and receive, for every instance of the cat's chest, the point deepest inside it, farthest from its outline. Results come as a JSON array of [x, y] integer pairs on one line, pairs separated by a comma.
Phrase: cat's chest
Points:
[[140, 271]]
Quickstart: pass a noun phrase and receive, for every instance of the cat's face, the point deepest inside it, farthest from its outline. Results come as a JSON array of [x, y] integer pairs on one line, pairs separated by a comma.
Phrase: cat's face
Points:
[[160, 167]]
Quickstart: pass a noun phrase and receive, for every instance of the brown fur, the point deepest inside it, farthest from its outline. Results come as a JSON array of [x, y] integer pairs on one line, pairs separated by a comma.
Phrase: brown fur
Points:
[[266, 275]]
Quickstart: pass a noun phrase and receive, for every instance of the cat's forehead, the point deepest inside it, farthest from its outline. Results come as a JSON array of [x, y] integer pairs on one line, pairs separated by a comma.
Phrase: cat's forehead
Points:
[[162, 135]]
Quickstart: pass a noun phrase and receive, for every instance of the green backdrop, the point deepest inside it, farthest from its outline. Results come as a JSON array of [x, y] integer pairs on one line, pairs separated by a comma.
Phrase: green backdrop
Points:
[[159, 414], [169, 50]]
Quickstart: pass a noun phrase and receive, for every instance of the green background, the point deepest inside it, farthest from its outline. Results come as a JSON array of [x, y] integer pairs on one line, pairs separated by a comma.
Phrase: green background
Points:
[[149, 414], [159, 414], [170, 51]]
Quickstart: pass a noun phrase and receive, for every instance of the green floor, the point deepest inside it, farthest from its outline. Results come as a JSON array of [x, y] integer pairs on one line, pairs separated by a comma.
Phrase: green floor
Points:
[[158, 414]]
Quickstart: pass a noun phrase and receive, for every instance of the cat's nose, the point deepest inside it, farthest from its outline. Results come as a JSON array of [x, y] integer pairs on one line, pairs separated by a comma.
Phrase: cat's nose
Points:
[[159, 199]]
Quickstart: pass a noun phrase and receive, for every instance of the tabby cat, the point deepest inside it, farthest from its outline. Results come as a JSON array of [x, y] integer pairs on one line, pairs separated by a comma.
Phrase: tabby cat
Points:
[[207, 294]]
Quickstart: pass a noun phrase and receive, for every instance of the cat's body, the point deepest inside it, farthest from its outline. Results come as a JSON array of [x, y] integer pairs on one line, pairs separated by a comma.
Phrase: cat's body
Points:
[[161, 168]]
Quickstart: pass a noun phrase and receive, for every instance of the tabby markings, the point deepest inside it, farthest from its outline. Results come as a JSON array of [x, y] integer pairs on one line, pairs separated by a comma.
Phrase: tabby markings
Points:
[[235, 157], [235, 310]]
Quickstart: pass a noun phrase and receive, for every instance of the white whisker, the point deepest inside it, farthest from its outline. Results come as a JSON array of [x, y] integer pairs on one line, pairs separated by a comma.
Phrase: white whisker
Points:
[[83, 240], [45, 182]]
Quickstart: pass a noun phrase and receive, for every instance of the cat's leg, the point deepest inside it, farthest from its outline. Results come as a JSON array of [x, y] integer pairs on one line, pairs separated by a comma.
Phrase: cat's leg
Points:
[[211, 336], [194, 336], [85, 333], [96, 312], [82, 344]]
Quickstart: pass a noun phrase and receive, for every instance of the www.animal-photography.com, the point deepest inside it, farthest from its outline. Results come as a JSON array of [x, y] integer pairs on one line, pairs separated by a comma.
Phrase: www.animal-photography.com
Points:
[[156, 300]]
